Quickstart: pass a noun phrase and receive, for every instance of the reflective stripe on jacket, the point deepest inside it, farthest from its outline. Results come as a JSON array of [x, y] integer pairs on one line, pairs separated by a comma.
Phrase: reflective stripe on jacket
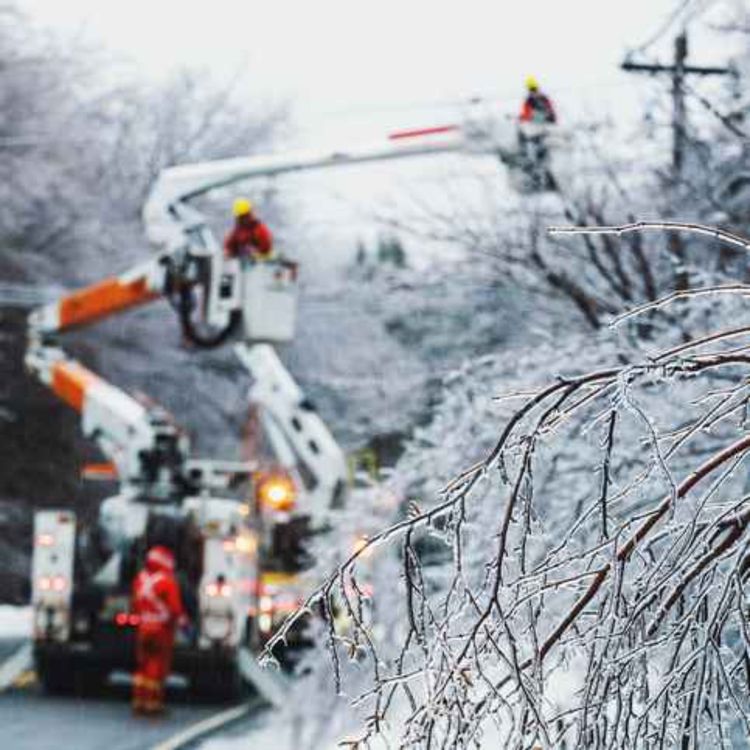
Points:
[[156, 598]]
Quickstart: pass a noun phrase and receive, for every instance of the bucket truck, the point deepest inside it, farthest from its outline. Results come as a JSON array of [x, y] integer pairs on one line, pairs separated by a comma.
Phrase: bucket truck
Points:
[[237, 529], [239, 559]]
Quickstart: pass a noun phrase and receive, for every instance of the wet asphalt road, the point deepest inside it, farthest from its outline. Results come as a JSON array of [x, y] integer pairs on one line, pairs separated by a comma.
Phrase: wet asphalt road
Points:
[[31, 720]]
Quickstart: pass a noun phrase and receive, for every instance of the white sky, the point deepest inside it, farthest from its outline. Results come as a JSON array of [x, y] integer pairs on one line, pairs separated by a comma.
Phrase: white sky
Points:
[[353, 69], [336, 56]]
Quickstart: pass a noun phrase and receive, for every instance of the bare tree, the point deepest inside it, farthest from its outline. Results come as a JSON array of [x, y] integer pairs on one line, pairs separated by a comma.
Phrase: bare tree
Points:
[[596, 592], [79, 152], [189, 117], [606, 177], [595, 278]]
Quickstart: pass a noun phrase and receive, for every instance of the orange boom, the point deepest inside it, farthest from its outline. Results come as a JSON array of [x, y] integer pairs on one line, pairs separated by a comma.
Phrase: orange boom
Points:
[[102, 299], [70, 381]]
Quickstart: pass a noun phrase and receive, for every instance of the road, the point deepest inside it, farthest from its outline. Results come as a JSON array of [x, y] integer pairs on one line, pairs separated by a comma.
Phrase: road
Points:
[[31, 720]]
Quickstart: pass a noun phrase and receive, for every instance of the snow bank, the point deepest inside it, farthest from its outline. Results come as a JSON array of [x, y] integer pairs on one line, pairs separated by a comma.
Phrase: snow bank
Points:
[[15, 622], [271, 734]]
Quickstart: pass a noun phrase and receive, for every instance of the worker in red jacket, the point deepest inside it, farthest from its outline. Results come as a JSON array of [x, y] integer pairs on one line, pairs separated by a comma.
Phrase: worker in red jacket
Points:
[[250, 237], [537, 107], [157, 603]]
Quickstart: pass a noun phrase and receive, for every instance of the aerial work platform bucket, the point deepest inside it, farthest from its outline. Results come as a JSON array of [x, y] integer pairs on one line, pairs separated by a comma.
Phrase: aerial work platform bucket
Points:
[[269, 293]]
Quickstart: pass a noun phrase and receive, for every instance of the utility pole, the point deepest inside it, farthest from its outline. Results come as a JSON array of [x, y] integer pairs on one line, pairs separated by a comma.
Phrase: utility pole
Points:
[[679, 112], [679, 70]]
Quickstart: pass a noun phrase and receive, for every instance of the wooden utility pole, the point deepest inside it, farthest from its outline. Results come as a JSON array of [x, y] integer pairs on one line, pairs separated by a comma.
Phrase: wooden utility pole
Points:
[[679, 112], [679, 70]]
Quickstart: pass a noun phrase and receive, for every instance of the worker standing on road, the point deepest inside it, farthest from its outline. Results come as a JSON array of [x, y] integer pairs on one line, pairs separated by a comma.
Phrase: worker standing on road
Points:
[[537, 106], [250, 237], [158, 604]]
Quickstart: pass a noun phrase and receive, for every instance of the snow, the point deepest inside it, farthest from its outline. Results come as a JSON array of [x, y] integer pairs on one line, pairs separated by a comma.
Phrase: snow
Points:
[[269, 734], [15, 622], [421, 354]]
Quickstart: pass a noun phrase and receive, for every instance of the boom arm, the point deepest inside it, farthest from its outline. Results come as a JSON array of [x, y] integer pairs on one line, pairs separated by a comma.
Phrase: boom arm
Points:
[[165, 207], [174, 274], [186, 240], [301, 440], [144, 283], [150, 453], [147, 449]]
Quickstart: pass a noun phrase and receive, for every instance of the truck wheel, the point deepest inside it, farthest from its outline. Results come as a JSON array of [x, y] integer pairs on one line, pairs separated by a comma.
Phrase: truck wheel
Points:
[[219, 683], [57, 680], [68, 679], [90, 681]]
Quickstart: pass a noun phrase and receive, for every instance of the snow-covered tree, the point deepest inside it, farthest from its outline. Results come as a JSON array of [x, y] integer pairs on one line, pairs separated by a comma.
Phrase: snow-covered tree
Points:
[[595, 589], [82, 137]]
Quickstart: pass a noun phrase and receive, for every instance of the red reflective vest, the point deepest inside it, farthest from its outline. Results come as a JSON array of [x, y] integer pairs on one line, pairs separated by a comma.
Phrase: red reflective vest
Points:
[[249, 240], [156, 598], [538, 108]]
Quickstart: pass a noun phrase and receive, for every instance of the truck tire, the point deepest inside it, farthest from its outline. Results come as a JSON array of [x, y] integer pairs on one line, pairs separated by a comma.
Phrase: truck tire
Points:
[[66, 678], [90, 681], [56, 680], [217, 683]]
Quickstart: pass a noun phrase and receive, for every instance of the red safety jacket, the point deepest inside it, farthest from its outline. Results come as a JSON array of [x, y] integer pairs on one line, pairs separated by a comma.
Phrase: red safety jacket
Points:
[[156, 593], [538, 108], [158, 605], [249, 239]]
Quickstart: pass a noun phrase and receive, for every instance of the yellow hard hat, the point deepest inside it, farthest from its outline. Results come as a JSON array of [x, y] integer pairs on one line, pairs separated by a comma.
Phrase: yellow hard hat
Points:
[[531, 83], [241, 207]]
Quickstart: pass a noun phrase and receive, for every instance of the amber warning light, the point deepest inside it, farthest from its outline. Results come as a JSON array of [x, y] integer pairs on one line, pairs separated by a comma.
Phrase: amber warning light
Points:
[[276, 491]]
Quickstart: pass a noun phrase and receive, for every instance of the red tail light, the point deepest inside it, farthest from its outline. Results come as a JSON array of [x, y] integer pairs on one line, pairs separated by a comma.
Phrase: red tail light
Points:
[[126, 619], [57, 583], [218, 589]]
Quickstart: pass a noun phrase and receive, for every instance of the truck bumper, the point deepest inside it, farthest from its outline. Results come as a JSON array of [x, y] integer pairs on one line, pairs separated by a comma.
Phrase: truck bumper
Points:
[[204, 668]]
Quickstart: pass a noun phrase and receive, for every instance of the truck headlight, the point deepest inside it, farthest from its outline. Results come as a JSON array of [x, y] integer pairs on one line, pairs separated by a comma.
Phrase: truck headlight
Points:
[[276, 492]]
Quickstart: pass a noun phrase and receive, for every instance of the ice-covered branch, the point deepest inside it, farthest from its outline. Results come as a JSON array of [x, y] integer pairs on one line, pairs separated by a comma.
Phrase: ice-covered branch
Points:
[[581, 581], [672, 226]]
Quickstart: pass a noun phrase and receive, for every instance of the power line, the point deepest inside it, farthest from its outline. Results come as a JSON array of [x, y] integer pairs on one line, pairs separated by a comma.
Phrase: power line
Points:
[[683, 14], [678, 70], [506, 96], [726, 120], [663, 29]]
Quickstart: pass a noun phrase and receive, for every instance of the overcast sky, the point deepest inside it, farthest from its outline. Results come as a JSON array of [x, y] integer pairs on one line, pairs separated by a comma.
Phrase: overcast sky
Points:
[[332, 57], [351, 69]]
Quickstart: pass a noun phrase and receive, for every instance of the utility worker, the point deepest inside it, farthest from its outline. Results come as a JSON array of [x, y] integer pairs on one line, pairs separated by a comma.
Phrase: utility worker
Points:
[[537, 113], [537, 106], [250, 237], [157, 602]]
